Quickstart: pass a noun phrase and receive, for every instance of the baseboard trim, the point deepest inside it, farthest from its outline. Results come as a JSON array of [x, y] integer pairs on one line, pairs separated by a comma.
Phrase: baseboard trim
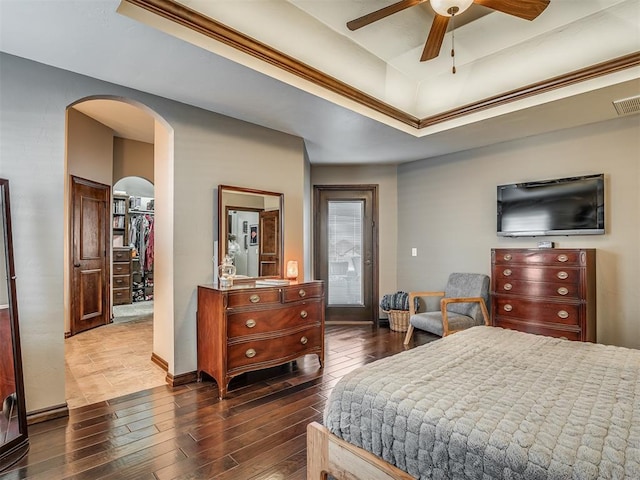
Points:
[[49, 413], [346, 322], [182, 379], [159, 361]]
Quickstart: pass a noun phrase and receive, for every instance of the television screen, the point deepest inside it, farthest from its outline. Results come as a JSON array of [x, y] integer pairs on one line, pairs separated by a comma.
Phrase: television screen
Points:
[[564, 206]]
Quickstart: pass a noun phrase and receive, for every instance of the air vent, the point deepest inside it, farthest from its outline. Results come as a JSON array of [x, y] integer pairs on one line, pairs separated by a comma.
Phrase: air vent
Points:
[[627, 105]]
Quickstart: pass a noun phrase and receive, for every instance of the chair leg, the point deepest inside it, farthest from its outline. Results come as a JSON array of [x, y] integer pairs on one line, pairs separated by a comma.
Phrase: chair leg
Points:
[[407, 338]]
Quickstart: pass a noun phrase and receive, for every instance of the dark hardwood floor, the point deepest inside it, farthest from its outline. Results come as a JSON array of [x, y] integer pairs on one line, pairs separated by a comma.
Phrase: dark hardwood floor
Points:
[[257, 432]]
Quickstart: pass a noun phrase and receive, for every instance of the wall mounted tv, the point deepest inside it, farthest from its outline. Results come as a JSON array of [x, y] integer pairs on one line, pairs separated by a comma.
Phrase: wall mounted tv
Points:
[[564, 206]]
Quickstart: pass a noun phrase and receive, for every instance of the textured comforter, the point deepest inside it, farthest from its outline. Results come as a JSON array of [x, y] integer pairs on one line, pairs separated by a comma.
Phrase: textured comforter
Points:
[[488, 403]]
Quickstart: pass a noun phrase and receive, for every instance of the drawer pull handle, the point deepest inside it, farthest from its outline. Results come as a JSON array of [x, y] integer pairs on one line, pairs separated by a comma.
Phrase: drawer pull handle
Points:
[[302, 293], [562, 275], [304, 314], [250, 353], [250, 323], [507, 272], [563, 290], [255, 298], [563, 314], [508, 257], [562, 258], [508, 286], [304, 340], [508, 307]]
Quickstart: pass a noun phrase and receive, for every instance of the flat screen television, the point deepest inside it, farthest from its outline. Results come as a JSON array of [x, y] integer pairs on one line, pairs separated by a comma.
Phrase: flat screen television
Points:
[[564, 206]]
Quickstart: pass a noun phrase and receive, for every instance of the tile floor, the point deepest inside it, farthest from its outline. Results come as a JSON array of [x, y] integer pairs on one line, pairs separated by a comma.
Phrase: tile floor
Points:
[[112, 360]]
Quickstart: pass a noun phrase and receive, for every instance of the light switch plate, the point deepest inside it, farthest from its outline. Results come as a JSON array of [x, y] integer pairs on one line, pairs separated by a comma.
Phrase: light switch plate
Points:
[[414, 252]]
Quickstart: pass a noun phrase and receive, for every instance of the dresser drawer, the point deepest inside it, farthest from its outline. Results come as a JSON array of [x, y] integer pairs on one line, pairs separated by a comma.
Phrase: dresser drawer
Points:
[[536, 311], [537, 274], [528, 327], [121, 296], [508, 286], [121, 255], [121, 281], [538, 257], [255, 352], [256, 322], [294, 293], [121, 268], [256, 297]]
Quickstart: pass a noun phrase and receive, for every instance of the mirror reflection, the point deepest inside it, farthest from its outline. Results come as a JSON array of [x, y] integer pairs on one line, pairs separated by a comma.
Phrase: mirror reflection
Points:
[[13, 428], [8, 419], [250, 230]]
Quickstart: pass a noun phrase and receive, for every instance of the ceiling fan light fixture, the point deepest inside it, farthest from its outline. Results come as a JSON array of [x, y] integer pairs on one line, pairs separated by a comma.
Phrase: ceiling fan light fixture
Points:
[[448, 8]]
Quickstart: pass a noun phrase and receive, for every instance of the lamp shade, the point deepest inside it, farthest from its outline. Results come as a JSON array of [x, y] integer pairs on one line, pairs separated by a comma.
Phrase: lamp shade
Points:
[[292, 269], [444, 7]]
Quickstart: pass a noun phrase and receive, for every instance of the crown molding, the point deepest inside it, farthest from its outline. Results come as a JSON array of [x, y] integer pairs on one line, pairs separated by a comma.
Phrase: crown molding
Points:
[[211, 28]]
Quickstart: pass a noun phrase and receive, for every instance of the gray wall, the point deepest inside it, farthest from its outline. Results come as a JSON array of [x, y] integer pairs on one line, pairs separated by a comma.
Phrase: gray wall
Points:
[[209, 149], [447, 209]]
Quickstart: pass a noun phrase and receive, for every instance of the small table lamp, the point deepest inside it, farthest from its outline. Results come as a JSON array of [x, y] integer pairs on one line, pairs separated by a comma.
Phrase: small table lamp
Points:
[[292, 269]]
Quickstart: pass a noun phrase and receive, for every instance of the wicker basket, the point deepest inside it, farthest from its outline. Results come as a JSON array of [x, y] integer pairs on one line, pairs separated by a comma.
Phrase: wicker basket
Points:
[[398, 320]]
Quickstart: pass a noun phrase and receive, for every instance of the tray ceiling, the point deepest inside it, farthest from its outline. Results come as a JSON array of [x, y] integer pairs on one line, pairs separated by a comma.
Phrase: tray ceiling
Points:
[[376, 71]]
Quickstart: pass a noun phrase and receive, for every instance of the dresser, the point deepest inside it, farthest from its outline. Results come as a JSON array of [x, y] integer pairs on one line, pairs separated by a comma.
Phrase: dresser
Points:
[[248, 327], [121, 276], [545, 291]]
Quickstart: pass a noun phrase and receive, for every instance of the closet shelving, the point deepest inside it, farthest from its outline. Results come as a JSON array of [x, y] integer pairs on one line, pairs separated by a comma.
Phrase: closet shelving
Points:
[[120, 220]]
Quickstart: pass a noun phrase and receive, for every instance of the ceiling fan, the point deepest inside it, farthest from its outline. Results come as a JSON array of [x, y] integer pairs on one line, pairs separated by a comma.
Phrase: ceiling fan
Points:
[[446, 10]]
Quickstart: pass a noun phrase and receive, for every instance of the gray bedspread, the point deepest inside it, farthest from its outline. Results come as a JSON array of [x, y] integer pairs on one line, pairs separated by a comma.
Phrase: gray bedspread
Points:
[[488, 403]]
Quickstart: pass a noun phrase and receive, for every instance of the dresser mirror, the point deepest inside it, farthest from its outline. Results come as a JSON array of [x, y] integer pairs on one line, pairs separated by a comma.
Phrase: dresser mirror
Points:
[[13, 418], [250, 230]]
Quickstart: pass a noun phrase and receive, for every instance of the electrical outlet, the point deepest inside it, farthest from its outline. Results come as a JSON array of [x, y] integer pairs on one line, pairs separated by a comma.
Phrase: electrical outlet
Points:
[[414, 252]]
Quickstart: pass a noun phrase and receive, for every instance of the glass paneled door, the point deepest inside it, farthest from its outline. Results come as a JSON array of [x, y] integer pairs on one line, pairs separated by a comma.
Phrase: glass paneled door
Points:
[[345, 256]]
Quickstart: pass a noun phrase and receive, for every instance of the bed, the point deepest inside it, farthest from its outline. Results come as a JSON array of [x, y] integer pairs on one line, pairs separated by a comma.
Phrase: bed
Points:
[[485, 403]]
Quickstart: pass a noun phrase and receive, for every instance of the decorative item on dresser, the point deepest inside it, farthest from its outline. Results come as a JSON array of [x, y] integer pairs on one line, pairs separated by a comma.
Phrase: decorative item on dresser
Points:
[[545, 291], [121, 276], [248, 327]]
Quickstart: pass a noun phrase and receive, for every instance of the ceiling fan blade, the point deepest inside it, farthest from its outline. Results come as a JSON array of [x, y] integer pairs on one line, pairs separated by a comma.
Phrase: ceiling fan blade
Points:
[[435, 38], [382, 13], [527, 9]]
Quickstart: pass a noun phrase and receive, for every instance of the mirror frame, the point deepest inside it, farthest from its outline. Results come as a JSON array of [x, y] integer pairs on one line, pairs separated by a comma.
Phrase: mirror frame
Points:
[[223, 221], [15, 449]]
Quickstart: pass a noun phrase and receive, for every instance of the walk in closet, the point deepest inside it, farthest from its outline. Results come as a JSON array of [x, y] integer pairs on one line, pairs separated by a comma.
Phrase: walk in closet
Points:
[[141, 240], [133, 247]]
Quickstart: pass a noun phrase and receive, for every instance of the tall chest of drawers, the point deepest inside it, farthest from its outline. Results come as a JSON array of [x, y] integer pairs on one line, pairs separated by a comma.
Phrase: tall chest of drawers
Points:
[[545, 291], [246, 328]]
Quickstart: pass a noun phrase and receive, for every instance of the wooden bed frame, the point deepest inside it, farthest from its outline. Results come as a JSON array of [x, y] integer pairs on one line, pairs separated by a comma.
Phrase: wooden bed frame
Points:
[[329, 455]]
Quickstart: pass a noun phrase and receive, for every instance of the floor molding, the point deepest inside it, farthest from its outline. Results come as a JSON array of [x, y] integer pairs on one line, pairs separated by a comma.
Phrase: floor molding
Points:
[[159, 361], [182, 379], [49, 413], [347, 322]]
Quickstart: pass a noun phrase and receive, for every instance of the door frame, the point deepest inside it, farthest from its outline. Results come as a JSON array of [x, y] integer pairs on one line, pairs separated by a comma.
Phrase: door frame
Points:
[[375, 275], [72, 244]]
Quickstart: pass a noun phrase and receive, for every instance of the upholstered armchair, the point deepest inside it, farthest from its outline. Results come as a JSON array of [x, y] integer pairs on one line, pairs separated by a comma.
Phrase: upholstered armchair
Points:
[[463, 305]]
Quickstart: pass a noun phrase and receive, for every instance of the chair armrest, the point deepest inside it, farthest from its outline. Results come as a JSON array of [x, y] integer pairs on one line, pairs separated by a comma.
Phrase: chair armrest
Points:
[[446, 301], [412, 295]]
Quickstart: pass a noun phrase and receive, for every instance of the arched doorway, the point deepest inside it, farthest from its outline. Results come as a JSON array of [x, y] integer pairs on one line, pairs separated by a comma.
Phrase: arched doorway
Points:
[[109, 139]]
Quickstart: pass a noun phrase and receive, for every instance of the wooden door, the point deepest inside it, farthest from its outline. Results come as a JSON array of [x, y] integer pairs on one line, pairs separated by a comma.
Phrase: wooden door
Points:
[[345, 251], [269, 242], [90, 254]]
